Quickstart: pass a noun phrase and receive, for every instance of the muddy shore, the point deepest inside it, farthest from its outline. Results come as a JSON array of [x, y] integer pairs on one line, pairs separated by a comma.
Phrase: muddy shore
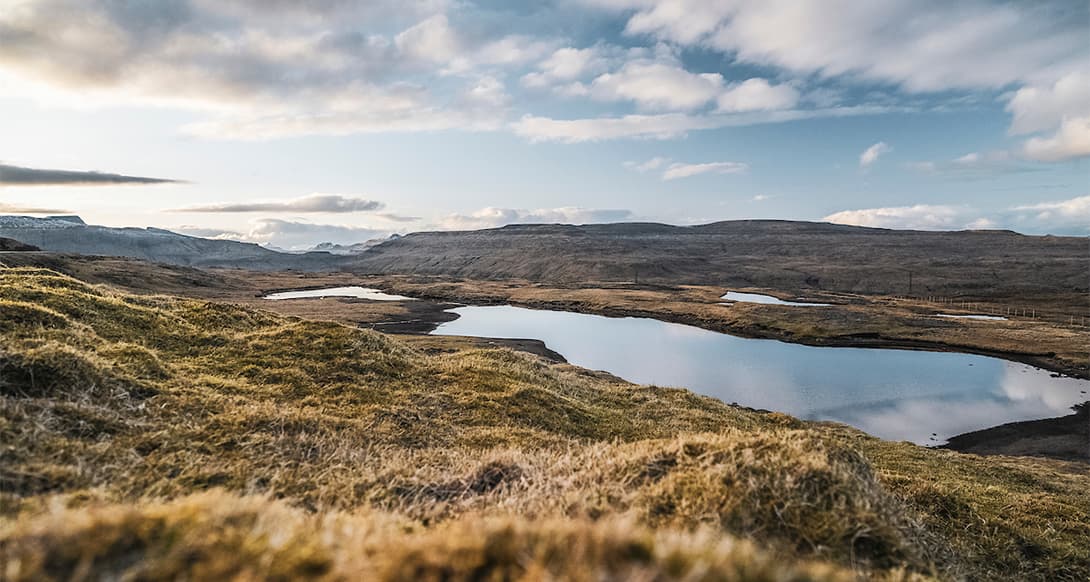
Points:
[[1066, 438]]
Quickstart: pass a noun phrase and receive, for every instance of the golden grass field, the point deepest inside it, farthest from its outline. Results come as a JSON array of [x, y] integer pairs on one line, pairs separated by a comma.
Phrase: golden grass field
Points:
[[149, 437]]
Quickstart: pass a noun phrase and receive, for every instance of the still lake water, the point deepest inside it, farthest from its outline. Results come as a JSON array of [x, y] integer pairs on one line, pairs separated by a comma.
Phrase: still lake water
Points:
[[357, 292], [980, 317], [893, 394], [766, 299]]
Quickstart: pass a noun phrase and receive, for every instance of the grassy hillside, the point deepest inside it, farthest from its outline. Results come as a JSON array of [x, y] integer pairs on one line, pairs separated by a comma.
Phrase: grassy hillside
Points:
[[151, 437], [773, 254]]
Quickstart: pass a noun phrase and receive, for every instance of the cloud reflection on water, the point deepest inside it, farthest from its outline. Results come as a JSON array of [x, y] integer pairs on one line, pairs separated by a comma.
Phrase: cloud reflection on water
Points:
[[895, 394]]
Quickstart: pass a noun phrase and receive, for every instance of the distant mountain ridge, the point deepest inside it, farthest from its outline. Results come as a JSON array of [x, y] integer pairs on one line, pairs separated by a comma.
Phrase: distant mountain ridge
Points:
[[776, 254], [69, 234], [352, 249], [745, 253]]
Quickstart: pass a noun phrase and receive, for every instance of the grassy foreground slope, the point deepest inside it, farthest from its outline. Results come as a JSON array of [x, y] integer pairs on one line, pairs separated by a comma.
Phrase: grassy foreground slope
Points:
[[155, 437]]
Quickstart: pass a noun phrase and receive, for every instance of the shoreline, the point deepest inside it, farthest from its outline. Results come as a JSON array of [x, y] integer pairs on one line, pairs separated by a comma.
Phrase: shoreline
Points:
[[1064, 437], [1056, 438], [859, 341], [864, 340], [1045, 437]]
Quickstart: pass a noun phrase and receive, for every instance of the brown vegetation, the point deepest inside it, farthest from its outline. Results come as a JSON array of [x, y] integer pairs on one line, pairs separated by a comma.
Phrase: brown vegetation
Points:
[[119, 412], [771, 254]]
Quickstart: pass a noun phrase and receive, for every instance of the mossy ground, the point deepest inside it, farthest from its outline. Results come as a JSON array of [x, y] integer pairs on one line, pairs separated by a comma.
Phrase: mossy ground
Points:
[[154, 437]]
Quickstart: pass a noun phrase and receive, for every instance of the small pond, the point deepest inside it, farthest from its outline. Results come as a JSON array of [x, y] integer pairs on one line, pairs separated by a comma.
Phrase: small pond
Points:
[[979, 317], [766, 299], [924, 397], [357, 292]]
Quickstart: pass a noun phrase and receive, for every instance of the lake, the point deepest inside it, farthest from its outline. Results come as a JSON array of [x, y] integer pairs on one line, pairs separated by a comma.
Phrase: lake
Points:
[[923, 397]]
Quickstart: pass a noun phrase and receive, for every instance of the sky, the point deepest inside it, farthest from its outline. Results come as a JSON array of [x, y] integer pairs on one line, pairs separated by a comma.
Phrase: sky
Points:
[[291, 122]]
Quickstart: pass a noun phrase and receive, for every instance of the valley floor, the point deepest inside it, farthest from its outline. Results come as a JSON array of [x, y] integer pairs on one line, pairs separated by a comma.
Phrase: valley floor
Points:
[[151, 436], [1050, 336]]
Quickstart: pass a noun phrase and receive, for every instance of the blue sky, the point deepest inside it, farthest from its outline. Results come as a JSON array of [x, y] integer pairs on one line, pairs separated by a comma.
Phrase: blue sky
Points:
[[292, 123]]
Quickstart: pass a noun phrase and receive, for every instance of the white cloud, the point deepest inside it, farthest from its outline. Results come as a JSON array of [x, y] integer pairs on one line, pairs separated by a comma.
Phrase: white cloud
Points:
[[570, 64], [1071, 141], [259, 71], [681, 21], [653, 79], [758, 95], [492, 217], [489, 91], [871, 154], [661, 126], [298, 234], [665, 125], [1043, 107], [395, 108], [680, 170], [1070, 217], [923, 45], [213, 233], [392, 217], [676, 170], [651, 164], [658, 86], [432, 39], [975, 166], [513, 50], [1062, 109], [288, 234], [920, 216], [762, 197], [1073, 213]]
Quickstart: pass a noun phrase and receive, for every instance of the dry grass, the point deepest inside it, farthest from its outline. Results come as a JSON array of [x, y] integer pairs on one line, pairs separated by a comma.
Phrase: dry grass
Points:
[[217, 536], [385, 462]]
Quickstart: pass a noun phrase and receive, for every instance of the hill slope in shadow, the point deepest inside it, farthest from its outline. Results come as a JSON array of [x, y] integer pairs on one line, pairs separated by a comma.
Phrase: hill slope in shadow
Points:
[[749, 253]]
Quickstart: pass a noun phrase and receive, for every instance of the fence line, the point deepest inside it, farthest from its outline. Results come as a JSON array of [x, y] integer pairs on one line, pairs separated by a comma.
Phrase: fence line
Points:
[[996, 310]]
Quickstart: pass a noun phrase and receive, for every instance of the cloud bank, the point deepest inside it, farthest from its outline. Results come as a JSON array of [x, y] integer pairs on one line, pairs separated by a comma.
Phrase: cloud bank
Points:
[[252, 70], [329, 203], [290, 234], [1070, 217], [21, 209], [677, 170], [492, 217], [263, 70], [20, 176]]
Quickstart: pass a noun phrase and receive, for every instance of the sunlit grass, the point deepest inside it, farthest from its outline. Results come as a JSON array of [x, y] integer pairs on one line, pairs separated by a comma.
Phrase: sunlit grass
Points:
[[338, 452]]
